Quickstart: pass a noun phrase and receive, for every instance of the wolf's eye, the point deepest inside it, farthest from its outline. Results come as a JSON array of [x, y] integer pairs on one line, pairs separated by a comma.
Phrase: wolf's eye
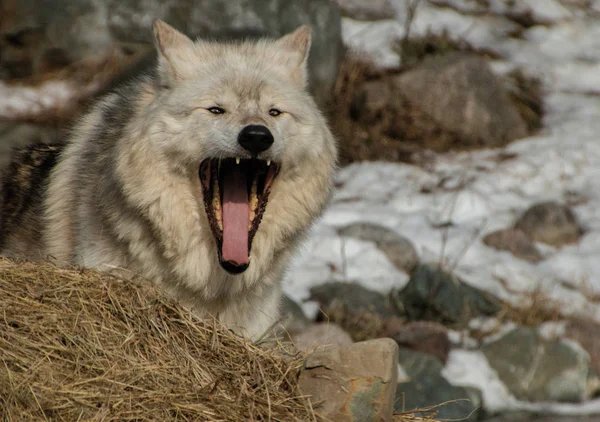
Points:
[[216, 110], [274, 112]]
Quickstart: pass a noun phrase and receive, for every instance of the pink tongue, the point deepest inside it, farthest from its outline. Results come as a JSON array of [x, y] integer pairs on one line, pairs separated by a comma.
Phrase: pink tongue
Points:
[[236, 217]]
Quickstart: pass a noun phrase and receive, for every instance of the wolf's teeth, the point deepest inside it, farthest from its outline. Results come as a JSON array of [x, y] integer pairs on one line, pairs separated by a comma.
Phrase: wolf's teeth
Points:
[[219, 168], [216, 203], [268, 163], [253, 202], [237, 160]]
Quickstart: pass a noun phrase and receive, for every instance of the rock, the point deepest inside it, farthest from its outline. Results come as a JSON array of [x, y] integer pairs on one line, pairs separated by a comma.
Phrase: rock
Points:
[[399, 250], [538, 370], [356, 383], [293, 320], [427, 387], [225, 19], [516, 242], [432, 294], [83, 28], [352, 296], [461, 94], [523, 416], [421, 336], [367, 10], [359, 311], [323, 334], [551, 223]]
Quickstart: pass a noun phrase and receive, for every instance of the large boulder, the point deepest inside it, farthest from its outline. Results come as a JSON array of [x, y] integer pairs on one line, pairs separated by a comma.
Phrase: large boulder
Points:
[[462, 95], [81, 28]]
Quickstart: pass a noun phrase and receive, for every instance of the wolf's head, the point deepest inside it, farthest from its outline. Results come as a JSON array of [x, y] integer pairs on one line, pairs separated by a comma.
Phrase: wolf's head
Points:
[[238, 116]]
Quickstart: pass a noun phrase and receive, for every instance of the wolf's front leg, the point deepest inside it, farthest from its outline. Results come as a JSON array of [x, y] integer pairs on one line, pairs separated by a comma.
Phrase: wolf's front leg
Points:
[[253, 315]]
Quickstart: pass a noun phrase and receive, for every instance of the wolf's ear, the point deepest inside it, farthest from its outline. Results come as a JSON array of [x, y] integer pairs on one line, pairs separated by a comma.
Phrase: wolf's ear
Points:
[[296, 46], [175, 51]]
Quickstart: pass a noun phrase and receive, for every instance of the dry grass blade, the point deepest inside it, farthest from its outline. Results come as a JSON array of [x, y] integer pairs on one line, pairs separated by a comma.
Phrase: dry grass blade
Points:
[[79, 345]]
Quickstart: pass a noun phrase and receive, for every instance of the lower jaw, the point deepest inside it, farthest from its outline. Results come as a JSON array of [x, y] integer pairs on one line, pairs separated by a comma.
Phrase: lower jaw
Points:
[[233, 269]]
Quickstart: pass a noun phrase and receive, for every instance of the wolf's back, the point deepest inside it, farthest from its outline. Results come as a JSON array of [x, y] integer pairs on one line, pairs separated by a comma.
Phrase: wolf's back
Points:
[[24, 182]]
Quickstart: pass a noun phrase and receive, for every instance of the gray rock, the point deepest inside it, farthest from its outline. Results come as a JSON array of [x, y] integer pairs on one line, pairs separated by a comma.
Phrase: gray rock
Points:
[[528, 417], [293, 320], [353, 297], [551, 223], [399, 250], [432, 294], [462, 95], [359, 311], [321, 335], [515, 241], [427, 387], [356, 383], [83, 28], [371, 10], [538, 370]]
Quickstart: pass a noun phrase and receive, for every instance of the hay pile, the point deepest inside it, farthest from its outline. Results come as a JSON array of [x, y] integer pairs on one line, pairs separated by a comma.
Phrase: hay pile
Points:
[[78, 345]]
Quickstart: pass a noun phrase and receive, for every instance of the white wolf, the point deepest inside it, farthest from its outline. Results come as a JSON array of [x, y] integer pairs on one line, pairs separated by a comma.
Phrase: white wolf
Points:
[[202, 176]]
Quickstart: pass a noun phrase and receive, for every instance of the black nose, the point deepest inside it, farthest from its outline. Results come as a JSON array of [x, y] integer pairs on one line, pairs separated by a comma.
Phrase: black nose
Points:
[[255, 138]]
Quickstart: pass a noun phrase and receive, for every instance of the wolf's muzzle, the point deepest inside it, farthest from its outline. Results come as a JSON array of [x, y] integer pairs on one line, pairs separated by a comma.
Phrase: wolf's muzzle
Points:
[[255, 138]]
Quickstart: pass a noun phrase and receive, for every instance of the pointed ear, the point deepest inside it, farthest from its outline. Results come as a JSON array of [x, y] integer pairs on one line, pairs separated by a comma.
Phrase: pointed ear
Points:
[[296, 46], [174, 51]]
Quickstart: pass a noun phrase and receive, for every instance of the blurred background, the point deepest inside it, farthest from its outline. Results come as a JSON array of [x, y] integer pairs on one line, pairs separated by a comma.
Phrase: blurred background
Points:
[[464, 224]]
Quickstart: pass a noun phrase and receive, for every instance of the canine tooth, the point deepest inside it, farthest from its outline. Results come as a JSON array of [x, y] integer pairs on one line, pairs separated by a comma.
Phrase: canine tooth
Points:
[[252, 215], [219, 168], [237, 160], [268, 163]]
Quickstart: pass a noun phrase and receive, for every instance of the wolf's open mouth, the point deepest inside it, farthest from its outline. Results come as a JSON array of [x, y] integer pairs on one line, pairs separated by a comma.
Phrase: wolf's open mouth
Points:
[[236, 192]]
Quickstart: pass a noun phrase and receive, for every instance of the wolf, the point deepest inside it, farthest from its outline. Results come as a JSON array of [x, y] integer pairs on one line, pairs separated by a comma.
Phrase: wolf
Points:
[[202, 175]]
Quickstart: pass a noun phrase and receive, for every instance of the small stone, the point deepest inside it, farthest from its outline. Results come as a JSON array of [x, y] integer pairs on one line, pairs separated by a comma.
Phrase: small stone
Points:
[[551, 223], [356, 383], [293, 320], [462, 95], [323, 334], [434, 295], [354, 296], [421, 336], [538, 370], [359, 311], [371, 10], [399, 250], [516, 242], [427, 387]]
